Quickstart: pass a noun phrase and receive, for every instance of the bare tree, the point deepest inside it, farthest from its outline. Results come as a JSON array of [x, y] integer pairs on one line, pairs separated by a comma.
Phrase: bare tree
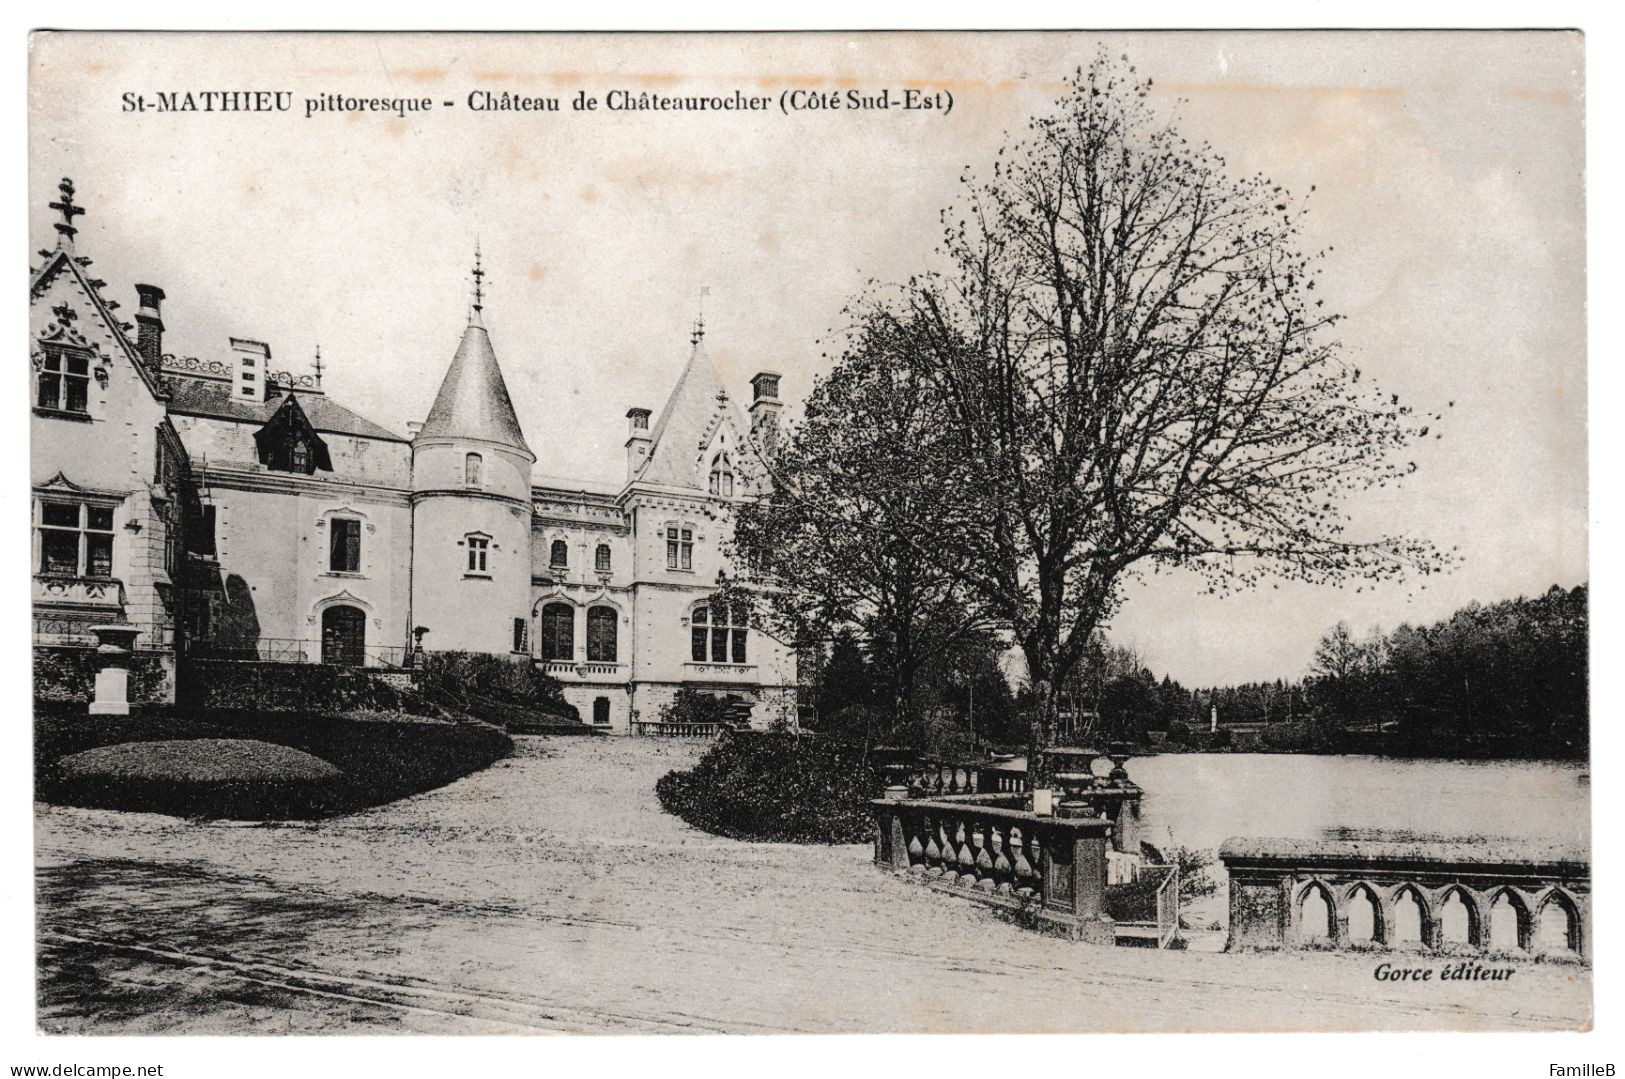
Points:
[[1129, 351]]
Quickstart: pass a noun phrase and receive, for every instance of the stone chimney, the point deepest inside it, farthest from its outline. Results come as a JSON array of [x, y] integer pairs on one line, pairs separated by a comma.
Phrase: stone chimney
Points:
[[251, 369], [765, 405], [149, 340], [637, 440]]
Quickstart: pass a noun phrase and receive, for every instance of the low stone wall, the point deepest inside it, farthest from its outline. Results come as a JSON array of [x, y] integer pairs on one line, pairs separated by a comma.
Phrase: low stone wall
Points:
[[1453, 897]]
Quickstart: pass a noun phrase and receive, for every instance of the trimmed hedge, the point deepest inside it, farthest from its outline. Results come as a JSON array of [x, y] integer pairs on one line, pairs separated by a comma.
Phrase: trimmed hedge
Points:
[[383, 756], [68, 675], [776, 788], [305, 687], [202, 777]]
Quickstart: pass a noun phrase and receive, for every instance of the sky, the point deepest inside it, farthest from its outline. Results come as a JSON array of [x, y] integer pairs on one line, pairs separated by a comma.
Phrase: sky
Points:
[[1448, 174]]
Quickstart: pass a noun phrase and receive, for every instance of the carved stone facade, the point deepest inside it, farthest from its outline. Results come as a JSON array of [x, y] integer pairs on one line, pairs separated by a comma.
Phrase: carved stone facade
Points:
[[313, 534]]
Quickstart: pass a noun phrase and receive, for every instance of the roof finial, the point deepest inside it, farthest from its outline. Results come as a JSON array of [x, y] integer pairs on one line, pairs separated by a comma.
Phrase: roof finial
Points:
[[318, 366], [65, 229], [479, 279], [698, 333]]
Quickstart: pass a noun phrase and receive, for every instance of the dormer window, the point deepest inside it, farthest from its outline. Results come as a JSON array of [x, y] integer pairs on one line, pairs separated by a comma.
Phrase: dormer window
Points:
[[64, 380], [288, 442], [722, 476], [471, 469]]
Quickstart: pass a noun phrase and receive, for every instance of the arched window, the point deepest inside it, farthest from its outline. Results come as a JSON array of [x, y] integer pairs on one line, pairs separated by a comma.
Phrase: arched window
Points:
[[601, 628], [479, 546], [718, 632], [600, 558], [471, 468], [558, 555], [559, 632], [722, 475]]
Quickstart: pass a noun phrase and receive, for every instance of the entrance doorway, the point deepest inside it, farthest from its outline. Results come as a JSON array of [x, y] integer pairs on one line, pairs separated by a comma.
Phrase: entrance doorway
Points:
[[344, 636]]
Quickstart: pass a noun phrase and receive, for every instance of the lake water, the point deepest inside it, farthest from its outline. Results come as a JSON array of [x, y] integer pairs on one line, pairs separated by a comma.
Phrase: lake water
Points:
[[1200, 800]]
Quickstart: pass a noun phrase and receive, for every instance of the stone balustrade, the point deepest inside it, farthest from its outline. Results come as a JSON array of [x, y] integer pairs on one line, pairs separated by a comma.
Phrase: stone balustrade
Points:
[[656, 728], [1431, 897], [1050, 868]]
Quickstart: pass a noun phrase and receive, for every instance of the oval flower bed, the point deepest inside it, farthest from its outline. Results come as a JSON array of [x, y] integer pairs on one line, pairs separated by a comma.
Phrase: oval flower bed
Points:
[[202, 777]]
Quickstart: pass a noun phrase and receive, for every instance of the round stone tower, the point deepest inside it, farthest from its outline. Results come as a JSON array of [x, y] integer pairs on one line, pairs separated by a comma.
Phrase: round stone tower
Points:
[[471, 508]]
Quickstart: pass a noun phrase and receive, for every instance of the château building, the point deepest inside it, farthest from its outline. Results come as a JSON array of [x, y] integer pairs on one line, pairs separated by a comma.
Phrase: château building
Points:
[[225, 507]]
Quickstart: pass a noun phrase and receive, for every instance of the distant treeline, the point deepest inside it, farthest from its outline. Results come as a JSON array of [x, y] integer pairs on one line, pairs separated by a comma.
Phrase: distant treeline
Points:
[[1507, 679], [1504, 679]]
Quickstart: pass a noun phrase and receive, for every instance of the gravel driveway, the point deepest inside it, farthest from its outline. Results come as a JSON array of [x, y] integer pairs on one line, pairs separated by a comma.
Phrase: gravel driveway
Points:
[[550, 893]]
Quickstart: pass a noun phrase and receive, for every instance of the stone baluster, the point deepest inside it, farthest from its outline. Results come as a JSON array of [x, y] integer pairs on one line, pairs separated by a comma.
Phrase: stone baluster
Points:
[[933, 850], [966, 833], [948, 864], [982, 839], [1002, 872], [1024, 878]]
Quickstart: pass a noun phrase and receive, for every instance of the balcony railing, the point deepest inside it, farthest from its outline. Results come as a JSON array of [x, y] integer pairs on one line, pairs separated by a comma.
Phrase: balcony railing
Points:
[[657, 728], [78, 591], [593, 668]]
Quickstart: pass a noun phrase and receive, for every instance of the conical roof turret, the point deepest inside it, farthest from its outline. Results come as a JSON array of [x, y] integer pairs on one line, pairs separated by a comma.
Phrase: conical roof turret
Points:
[[473, 401]]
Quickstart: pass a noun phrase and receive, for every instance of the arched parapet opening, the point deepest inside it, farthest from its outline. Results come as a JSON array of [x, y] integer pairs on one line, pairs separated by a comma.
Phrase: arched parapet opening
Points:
[[1558, 927], [1315, 916], [1411, 919], [1459, 918], [1509, 925], [1363, 917]]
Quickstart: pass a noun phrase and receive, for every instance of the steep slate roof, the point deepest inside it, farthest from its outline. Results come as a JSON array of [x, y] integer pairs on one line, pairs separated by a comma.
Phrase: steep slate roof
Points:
[[200, 397], [691, 416], [473, 401]]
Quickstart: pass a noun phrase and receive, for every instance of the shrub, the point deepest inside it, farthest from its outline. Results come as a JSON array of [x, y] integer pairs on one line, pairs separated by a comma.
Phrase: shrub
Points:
[[1219, 739], [1298, 737], [693, 706], [207, 777], [1179, 732], [382, 755], [464, 675], [303, 687], [69, 675], [776, 788]]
